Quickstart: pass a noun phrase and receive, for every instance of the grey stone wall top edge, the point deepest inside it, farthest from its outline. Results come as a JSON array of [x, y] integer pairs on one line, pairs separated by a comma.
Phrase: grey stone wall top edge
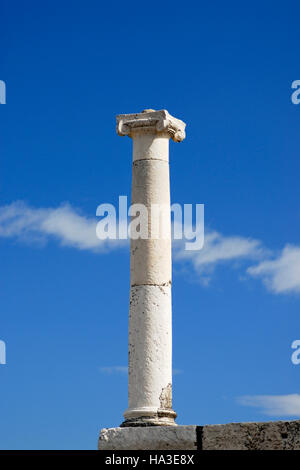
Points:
[[241, 423], [262, 435], [179, 426], [149, 438]]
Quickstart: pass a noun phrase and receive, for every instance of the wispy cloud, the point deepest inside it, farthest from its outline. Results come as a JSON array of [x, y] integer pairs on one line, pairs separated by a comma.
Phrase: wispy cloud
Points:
[[64, 223], [281, 275], [273, 405], [69, 227], [219, 249]]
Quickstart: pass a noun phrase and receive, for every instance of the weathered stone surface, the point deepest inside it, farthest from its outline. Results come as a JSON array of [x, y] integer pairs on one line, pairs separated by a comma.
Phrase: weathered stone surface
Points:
[[150, 182], [150, 386], [149, 438], [150, 262], [151, 146], [277, 435], [150, 323], [151, 121]]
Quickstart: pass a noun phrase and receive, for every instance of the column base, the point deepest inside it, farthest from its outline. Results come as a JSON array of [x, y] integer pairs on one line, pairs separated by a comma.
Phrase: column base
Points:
[[148, 417]]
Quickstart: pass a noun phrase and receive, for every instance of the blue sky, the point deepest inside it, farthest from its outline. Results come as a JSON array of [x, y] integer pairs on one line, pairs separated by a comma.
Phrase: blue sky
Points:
[[226, 69]]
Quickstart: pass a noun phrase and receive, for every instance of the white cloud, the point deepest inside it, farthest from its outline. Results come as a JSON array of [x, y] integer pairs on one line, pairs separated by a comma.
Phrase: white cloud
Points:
[[282, 274], [64, 223], [274, 405], [219, 249], [71, 228]]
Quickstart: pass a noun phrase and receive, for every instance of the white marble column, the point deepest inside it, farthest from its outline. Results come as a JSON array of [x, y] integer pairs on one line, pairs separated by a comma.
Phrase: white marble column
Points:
[[150, 317]]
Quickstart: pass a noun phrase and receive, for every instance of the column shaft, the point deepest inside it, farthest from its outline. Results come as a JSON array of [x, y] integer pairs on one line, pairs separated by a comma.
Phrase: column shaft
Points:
[[150, 315]]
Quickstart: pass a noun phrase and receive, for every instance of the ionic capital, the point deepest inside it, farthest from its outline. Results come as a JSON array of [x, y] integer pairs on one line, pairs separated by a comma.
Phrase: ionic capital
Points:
[[153, 121]]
